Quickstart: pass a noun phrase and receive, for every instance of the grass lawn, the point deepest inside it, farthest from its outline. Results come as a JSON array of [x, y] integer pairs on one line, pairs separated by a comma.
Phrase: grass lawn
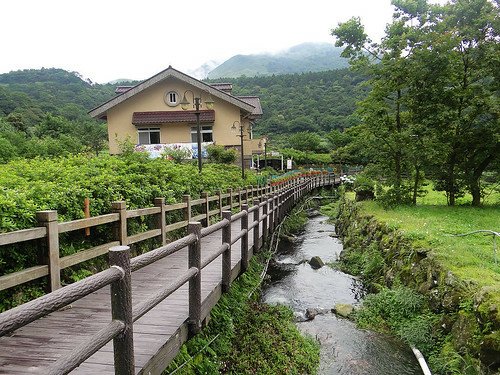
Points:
[[431, 224]]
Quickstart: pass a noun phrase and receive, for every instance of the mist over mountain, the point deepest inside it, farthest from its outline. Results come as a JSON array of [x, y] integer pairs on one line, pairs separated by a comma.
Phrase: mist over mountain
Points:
[[306, 57]]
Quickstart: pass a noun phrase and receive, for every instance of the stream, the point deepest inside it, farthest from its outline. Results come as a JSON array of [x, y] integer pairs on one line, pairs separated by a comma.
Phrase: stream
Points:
[[345, 349]]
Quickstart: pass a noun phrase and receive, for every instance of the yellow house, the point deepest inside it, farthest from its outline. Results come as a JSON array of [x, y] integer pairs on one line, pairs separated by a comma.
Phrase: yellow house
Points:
[[160, 112]]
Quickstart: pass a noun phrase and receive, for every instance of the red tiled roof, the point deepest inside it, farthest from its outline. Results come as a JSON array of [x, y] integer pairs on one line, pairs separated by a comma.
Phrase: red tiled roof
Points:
[[162, 117], [253, 101], [226, 87]]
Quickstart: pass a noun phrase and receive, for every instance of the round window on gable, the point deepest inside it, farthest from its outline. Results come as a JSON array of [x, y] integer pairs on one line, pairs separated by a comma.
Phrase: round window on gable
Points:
[[171, 98]]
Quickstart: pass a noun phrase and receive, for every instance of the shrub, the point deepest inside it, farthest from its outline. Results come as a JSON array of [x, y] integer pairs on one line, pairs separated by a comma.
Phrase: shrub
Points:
[[218, 154], [364, 188], [62, 184]]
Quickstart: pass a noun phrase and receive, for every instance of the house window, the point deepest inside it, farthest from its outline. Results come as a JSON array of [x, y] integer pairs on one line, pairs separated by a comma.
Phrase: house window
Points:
[[171, 98], [206, 134], [149, 136]]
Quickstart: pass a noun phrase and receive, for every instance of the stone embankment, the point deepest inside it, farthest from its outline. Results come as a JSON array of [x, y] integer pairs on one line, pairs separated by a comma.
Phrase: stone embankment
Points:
[[469, 318]]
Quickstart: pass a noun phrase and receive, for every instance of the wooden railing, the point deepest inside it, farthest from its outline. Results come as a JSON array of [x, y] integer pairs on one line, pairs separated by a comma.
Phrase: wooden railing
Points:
[[273, 203], [49, 229]]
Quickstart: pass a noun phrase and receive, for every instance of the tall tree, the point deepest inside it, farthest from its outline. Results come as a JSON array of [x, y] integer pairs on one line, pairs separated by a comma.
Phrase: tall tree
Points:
[[383, 113], [455, 92], [434, 103]]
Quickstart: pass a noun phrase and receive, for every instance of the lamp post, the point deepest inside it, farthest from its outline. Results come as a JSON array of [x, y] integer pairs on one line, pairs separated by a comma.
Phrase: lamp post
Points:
[[265, 151], [234, 129], [197, 104]]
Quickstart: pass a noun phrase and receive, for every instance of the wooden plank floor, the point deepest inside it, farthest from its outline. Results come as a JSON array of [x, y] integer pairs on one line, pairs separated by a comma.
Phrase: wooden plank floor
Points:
[[35, 346]]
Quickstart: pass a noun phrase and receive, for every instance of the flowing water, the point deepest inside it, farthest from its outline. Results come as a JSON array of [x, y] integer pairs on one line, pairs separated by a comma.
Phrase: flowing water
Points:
[[345, 350]]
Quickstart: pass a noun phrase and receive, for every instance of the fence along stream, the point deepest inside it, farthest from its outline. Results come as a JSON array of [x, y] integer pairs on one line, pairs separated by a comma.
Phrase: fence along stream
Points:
[[269, 207]]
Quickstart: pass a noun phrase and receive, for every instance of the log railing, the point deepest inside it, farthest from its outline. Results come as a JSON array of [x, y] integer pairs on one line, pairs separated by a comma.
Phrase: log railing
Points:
[[273, 203], [49, 230]]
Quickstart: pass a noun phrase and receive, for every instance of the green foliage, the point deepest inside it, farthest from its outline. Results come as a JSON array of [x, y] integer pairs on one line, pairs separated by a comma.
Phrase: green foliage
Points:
[[448, 361], [219, 154], [307, 141], [47, 112], [314, 102], [63, 183], [433, 104], [245, 336], [399, 310], [294, 222], [306, 158]]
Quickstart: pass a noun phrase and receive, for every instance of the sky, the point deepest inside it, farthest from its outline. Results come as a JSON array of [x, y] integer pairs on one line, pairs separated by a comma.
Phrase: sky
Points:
[[105, 40]]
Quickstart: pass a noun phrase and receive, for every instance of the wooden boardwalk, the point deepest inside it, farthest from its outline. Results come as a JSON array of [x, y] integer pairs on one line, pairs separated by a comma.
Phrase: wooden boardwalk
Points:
[[157, 335]]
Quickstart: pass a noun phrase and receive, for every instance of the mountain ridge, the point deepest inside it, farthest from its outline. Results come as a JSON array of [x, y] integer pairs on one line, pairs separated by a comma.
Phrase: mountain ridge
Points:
[[302, 58]]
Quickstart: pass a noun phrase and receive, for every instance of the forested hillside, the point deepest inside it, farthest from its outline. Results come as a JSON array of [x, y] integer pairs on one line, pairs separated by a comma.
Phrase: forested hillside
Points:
[[314, 102], [44, 113], [31, 93]]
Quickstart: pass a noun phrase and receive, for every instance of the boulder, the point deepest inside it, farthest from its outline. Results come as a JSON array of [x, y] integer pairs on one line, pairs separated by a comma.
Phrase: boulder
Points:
[[316, 262], [311, 313], [343, 309]]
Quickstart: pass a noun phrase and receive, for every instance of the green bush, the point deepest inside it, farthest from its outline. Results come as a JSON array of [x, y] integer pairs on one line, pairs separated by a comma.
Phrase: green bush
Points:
[[63, 183], [219, 154], [400, 310]]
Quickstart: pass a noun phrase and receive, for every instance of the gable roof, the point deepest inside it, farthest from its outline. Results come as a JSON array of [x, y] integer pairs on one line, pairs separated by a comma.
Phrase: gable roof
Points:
[[255, 102], [100, 111], [223, 86]]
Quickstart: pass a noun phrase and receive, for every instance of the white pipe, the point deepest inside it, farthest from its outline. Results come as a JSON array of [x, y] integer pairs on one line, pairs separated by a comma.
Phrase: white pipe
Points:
[[421, 361]]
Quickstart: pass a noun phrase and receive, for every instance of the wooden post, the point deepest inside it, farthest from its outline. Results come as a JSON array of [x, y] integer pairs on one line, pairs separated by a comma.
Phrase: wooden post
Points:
[[219, 194], [161, 221], [275, 214], [194, 260], [120, 207], [279, 207], [271, 214], [239, 198], [246, 195], [244, 240], [186, 198], [48, 219], [121, 309], [206, 209], [230, 199], [226, 255], [256, 217], [86, 213], [265, 228]]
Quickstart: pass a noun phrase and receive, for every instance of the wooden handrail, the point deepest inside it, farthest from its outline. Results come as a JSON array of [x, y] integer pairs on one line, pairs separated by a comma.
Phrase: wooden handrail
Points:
[[120, 328], [234, 198]]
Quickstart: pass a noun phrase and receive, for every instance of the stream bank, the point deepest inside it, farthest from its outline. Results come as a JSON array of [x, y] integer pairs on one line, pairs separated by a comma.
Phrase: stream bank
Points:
[[466, 330], [312, 292]]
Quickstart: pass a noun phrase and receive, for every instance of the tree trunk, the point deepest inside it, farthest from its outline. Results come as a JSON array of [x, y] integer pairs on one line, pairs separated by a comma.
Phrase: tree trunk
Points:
[[415, 185], [398, 154], [475, 190], [477, 172]]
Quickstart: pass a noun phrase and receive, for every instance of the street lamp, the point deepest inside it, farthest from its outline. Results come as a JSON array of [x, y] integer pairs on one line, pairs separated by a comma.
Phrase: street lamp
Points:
[[265, 151], [209, 103], [234, 129]]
